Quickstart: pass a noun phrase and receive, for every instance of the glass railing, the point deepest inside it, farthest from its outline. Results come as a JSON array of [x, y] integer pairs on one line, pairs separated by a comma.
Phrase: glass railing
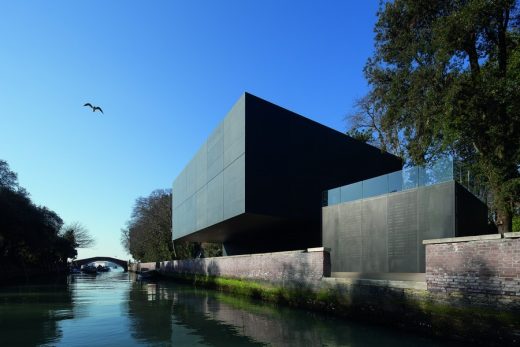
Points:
[[439, 171]]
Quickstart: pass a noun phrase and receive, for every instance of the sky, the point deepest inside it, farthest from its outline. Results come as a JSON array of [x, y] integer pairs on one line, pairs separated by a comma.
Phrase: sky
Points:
[[165, 74]]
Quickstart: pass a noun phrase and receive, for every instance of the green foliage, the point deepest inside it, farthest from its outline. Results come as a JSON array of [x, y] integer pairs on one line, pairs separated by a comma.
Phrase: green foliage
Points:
[[363, 135], [148, 236], [29, 234], [516, 224], [444, 78]]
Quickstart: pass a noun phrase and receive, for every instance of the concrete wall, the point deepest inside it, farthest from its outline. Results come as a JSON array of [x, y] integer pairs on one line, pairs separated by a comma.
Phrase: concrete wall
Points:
[[475, 266], [291, 266]]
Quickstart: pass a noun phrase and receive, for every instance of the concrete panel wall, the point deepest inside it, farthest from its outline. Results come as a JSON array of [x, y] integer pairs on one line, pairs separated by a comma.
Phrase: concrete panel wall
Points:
[[212, 186], [391, 228]]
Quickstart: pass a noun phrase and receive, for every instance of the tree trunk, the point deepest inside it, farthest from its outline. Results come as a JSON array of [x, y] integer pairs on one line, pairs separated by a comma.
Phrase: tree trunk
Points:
[[504, 220]]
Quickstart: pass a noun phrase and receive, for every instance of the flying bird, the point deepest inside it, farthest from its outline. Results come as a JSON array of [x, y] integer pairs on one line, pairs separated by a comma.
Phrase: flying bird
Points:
[[94, 108]]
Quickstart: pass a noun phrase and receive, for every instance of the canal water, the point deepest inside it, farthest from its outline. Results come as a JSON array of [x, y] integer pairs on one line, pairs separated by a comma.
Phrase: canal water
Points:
[[114, 309]]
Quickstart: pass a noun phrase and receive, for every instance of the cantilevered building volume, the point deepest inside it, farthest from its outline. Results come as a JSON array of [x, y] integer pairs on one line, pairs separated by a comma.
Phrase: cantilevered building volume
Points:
[[256, 184]]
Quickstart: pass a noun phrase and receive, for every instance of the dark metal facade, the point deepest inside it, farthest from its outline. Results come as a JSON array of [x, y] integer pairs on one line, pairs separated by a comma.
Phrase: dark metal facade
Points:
[[385, 233], [256, 183]]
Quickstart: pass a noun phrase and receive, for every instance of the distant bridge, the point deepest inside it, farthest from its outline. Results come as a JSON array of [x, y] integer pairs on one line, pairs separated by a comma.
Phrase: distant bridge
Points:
[[122, 263]]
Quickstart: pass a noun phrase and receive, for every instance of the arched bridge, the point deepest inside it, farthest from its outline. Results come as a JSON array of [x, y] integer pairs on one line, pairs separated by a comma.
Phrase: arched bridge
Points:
[[122, 263]]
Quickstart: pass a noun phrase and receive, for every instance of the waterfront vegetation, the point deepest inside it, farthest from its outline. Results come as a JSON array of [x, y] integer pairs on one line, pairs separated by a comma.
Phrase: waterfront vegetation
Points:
[[448, 315], [33, 239], [148, 234], [444, 79]]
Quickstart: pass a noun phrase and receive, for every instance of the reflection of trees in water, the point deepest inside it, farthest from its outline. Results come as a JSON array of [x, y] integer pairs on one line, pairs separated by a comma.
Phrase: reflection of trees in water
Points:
[[29, 315]]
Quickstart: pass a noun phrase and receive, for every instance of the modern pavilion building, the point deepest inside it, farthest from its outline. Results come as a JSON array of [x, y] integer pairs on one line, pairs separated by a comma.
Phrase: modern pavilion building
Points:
[[256, 184]]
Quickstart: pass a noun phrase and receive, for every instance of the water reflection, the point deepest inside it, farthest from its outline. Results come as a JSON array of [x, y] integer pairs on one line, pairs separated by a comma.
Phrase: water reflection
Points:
[[165, 313], [29, 315], [113, 309]]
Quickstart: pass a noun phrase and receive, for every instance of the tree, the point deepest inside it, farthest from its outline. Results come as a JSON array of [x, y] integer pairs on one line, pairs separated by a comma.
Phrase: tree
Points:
[[366, 125], [78, 235], [8, 178], [445, 78], [148, 235], [29, 234]]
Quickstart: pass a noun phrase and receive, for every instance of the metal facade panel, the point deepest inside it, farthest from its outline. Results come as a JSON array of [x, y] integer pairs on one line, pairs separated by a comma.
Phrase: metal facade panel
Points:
[[198, 192], [215, 152], [331, 236], [200, 168], [290, 161], [215, 200], [179, 190], [350, 237], [392, 227], [402, 232], [374, 235], [436, 214], [234, 188], [201, 219], [235, 132]]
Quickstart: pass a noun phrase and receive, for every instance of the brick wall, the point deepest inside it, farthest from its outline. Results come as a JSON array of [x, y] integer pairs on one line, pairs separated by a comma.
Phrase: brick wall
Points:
[[486, 265], [293, 266]]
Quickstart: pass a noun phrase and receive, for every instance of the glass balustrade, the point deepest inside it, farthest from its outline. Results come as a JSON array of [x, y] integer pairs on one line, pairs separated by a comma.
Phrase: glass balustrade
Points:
[[441, 170]]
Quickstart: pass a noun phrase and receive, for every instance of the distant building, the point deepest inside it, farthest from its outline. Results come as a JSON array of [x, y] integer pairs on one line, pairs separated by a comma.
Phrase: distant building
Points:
[[256, 184]]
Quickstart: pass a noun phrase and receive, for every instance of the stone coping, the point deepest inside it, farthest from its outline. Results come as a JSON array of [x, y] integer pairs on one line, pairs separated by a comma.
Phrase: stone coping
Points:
[[376, 283], [512, 235], [463, 239], [318, 249], [385, 276]]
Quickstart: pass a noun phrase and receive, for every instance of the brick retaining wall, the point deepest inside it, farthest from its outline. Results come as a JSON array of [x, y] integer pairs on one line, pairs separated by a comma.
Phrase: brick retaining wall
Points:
[[481, 265], [293, 266]]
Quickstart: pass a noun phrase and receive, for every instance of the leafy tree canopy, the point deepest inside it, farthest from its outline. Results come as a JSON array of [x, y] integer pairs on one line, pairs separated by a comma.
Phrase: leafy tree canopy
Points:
[[29, 234], [445, 78]]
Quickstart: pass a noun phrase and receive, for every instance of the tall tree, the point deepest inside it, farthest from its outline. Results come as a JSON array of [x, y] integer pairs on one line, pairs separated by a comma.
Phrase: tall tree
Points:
[[148, 236], [445, 77]]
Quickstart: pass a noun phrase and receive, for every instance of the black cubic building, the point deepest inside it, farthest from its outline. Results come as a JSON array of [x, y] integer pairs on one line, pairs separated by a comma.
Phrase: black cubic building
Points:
[[256, 183]]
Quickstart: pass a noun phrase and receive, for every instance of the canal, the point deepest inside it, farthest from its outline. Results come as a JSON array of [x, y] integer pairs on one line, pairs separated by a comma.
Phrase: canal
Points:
[[113, 309]]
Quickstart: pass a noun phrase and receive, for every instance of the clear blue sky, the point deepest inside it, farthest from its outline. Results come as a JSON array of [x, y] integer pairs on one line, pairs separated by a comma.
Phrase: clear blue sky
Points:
[[165, 74]]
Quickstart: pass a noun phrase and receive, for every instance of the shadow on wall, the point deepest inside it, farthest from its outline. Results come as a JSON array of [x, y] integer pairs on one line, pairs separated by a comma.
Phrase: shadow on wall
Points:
[[471, 307], [200, 266]]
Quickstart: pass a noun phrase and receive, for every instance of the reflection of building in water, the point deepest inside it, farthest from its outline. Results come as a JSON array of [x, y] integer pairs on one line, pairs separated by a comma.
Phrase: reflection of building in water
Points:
[[148, 312]]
